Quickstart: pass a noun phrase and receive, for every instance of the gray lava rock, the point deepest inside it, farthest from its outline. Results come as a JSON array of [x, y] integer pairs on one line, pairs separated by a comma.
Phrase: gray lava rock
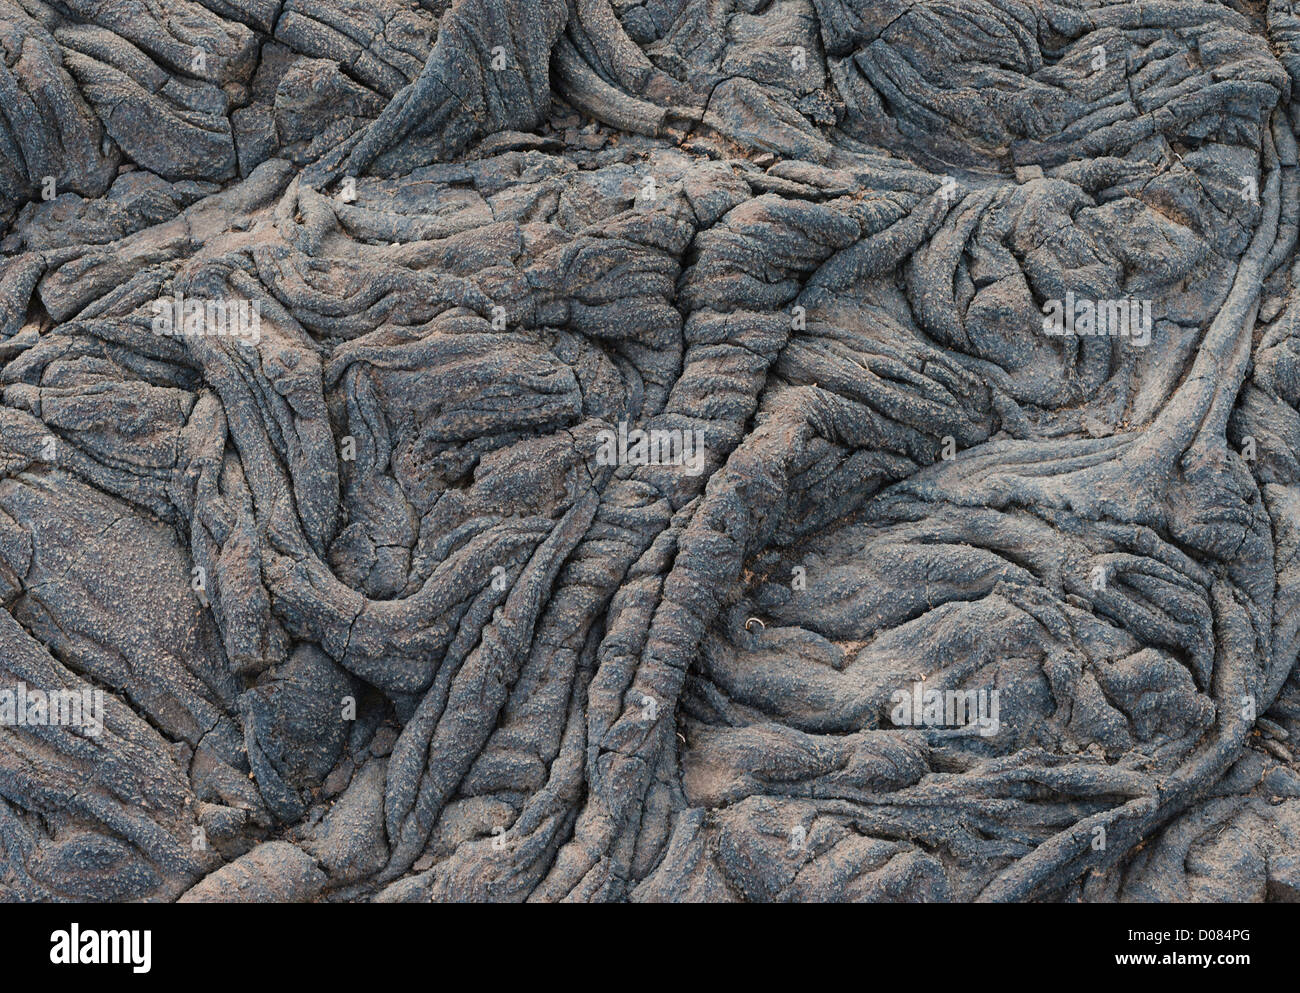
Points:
[[585, 450]]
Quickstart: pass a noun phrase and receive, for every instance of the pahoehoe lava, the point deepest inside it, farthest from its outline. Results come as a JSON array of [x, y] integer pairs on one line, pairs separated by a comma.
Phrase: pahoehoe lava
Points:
[[559, 450]]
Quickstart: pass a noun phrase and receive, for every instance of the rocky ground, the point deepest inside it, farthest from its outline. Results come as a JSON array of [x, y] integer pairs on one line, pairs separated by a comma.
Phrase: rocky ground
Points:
[[384, 601]]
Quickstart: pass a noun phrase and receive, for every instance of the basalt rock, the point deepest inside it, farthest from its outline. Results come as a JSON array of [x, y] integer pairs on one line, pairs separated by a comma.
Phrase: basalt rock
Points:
[[598, 450]]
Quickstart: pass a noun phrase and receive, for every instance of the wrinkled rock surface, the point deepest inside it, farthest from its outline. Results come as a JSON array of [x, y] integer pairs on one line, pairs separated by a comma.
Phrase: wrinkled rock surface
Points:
[[374, 620]]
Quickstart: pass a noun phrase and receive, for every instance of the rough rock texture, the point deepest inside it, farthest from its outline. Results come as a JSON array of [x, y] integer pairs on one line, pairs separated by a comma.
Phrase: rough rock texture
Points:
[[374, 620]]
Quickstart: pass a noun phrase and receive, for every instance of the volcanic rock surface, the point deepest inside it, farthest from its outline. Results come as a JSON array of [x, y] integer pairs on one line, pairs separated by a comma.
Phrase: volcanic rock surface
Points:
[[374, 616]]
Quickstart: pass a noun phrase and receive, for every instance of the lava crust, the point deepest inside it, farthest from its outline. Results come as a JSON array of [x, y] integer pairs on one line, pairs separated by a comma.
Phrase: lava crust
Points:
[[681, 450]]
